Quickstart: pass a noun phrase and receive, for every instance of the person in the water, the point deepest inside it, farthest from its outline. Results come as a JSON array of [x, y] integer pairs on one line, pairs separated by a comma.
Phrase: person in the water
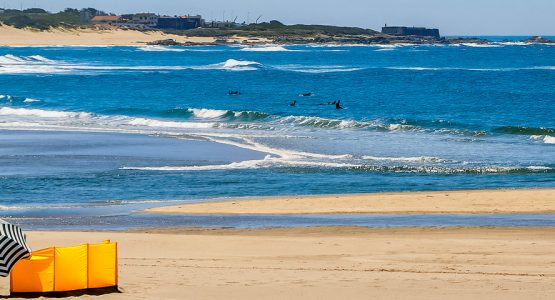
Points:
[[338, 105], [307, 94], [294, 103], [230, 92]]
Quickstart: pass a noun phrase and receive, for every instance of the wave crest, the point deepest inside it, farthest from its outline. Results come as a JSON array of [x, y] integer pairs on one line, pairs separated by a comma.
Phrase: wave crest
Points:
[[41, 113], [267, 48], [523, 130]]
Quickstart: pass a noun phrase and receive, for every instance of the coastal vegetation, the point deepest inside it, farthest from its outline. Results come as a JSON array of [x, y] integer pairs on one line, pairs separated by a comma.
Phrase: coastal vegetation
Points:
[[38, 18]]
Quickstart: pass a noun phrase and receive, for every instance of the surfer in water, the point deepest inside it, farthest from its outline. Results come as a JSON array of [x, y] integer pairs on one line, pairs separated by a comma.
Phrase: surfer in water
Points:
[[294, 103], [338, 105], [307, 94], [230, 92]]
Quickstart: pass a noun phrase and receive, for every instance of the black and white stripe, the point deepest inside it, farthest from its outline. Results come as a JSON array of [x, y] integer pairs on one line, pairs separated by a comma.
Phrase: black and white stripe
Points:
[[13, 247]]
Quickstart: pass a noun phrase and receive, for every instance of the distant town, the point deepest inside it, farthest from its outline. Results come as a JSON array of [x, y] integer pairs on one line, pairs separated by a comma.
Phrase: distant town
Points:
[[154, 21]]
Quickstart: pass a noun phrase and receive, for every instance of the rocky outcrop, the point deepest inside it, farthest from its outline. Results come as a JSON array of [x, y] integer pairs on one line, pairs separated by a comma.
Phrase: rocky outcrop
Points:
[[167, 42], [172, 42], [539, 40], [381, 39]]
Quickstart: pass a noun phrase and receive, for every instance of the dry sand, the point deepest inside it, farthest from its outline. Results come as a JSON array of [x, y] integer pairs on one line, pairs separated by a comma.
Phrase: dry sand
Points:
[[10, 36], [327, 263], [454, 202]]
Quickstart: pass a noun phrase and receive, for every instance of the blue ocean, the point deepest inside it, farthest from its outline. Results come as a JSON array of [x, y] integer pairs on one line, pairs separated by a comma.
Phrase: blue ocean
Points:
[[93, 134]]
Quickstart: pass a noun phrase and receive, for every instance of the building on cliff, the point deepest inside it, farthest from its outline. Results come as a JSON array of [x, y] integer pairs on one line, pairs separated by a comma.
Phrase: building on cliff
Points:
[[107, 20], [148, 21], [405, 31], [185, 22], [141, 20]]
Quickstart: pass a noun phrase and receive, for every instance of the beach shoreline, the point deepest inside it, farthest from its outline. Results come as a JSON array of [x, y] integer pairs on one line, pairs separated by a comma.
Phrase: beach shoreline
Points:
[[114, 36], [504, 201], [326, 262]]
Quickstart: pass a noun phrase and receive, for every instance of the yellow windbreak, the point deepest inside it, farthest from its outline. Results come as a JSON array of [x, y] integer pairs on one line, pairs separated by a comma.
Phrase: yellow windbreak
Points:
[[60, 269]]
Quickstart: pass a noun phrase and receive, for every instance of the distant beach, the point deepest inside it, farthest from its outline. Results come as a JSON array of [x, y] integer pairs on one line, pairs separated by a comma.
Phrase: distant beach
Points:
[[444, 202], [10, 36], [112, 36]]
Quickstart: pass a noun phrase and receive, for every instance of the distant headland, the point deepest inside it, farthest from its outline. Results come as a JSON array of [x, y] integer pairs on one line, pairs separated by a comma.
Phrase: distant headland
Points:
[[83, 25]]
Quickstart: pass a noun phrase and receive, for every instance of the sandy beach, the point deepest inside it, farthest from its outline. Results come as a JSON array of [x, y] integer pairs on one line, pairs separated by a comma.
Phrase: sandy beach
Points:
[[448, 202], [10, 36], [327, 263]]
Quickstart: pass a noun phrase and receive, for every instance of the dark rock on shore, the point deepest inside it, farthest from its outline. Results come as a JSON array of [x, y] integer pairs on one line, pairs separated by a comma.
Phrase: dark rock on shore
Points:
[[172, 42], [539, 40], [168, 42]]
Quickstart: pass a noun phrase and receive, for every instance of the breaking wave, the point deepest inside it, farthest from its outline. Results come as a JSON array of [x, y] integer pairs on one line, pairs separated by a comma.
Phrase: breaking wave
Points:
[[522, 130], [230, 119], [11, 64], [36, 64], [476, 45], [157, 48], [549, 139], [276, 162], [472, 69], [14, 99], [6, 111], [316, 69], [269, 48], [416, 159], [205, 113], [168, 124], [232, 65]]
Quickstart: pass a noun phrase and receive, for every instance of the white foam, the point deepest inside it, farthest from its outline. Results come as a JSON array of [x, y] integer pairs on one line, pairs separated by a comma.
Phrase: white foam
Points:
[[414, 68], [514, 43], [36, 64], [549, 139], [168, 124], [476, 45], [323, 122], [510, 69], [6, 111], [41, 59], [268, 48], [30, 100], [316, 69], [11, 64], [205, 113], [416, 159], [268, 162], [157, 48], [538, 168], [232, 65]]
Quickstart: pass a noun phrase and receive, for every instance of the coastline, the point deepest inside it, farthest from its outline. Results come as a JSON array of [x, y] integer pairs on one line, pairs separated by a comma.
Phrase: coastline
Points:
[[112, 36], [326, 262], [441, 202], [11, 36]]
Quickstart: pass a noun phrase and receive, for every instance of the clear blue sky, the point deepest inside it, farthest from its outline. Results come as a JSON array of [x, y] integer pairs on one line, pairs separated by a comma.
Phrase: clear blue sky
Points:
[[453, 17]]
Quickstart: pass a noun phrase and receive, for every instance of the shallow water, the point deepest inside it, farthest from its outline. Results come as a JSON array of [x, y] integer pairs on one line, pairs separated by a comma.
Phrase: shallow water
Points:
[[83, 127]]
